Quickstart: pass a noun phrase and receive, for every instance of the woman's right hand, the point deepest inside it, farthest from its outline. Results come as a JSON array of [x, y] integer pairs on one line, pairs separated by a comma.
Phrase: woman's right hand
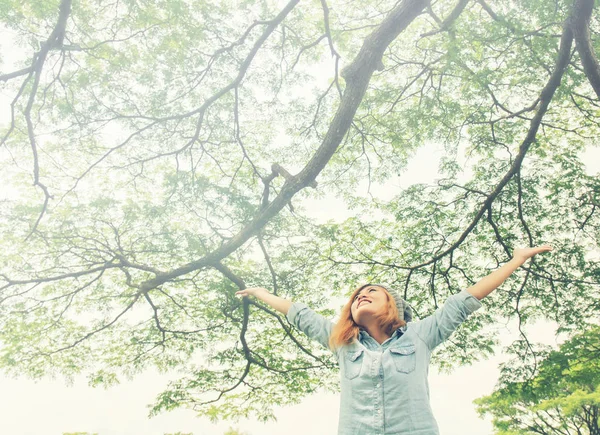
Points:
[[262, 294], [252, 291]]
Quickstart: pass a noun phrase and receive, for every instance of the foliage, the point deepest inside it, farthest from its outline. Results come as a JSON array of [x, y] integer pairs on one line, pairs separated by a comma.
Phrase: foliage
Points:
[[563, 396], [160, 155]]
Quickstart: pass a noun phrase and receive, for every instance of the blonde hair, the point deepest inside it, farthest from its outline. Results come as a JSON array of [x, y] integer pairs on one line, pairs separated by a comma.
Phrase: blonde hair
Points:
[[346, 330]]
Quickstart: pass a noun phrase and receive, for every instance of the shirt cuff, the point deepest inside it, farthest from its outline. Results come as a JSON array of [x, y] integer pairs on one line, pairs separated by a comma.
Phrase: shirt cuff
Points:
[[471, 302]]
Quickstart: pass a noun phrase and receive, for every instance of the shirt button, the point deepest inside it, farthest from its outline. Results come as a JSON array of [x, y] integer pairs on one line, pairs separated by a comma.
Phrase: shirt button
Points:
[[377, 386]]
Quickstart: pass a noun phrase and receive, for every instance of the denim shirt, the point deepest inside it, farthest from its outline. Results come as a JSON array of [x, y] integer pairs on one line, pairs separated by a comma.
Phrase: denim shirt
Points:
[[384, 388]]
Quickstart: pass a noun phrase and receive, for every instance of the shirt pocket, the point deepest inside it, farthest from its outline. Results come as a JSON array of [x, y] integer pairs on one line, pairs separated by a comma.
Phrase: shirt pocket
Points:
[[353, 363], [404, 358]]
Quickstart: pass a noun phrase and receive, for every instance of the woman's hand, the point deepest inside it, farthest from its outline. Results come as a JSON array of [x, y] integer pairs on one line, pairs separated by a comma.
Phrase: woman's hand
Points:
[[524, 254], [489, 283], [280, 304], [252, 291]]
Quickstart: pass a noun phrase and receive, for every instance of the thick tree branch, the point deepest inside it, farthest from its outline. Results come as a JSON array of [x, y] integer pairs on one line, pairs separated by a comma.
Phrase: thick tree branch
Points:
[[452, 16], [12, 75], [544, 101], [358, 75], [489, 10], [582, 12]]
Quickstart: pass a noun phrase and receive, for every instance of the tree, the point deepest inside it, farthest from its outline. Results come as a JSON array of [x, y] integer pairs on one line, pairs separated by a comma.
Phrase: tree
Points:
[[159, 155], [563, 397]]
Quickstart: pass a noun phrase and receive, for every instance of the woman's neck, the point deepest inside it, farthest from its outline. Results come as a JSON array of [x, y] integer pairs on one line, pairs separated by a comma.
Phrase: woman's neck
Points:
[[375, 331]]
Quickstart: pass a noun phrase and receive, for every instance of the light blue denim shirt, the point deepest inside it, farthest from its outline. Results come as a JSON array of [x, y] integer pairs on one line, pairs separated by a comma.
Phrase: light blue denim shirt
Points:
[[384, 388]]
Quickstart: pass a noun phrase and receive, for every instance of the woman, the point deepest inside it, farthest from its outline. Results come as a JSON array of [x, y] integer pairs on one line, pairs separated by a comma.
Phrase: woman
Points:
[[383, 356]]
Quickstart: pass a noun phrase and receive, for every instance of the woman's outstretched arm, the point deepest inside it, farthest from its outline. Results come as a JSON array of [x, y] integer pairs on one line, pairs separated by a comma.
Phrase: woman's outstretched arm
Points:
[[488, 284], [275, 302], [306, 320], [436, 328]]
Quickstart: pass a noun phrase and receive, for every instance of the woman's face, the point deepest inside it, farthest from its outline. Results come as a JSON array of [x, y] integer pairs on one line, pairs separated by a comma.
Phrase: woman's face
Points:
[[369, 301]]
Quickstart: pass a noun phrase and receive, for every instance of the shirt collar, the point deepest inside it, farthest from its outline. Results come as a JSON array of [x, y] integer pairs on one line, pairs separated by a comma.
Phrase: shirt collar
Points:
[[363, 334]]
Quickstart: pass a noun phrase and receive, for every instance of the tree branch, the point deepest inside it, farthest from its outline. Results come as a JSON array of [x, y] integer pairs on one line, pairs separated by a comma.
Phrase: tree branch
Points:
[[452, 16], [582, 12], [544, 101], [358, 75], [55, 40]]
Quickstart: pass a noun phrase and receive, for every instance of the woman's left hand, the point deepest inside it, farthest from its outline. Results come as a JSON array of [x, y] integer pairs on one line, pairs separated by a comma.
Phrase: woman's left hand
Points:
[[526, 253]]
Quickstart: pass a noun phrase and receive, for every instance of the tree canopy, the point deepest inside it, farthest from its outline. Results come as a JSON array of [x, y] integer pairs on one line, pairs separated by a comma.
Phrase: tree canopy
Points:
[[158, 156], [562, 397]]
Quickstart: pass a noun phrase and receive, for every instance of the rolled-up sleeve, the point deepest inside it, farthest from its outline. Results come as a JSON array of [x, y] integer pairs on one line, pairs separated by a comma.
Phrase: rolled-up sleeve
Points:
[[435, 329], [312, 324]]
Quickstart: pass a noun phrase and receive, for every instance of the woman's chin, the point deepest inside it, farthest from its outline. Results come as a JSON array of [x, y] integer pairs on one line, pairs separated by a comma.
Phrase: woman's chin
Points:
[[363, 315]]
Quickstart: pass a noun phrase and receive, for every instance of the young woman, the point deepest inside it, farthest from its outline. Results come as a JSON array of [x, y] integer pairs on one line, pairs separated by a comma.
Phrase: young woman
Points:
[[383, 356]]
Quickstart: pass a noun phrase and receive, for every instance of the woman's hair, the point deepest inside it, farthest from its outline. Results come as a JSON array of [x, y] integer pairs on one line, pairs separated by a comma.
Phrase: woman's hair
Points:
[[345, 331]]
